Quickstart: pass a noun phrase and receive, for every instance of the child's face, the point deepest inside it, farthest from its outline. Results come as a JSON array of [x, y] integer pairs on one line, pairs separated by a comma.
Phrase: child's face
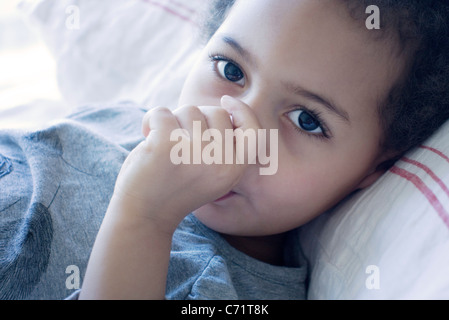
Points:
[[309, 70]]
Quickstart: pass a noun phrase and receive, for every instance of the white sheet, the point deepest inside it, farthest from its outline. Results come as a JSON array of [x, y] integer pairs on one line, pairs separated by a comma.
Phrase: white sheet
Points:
[[29, 94]]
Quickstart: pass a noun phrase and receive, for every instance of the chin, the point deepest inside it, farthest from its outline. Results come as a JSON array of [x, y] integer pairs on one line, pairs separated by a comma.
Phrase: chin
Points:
[[229, 223], [217, 218]]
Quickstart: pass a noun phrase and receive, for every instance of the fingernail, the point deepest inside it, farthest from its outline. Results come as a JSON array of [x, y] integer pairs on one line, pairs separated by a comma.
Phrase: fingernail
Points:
[[228, 102]]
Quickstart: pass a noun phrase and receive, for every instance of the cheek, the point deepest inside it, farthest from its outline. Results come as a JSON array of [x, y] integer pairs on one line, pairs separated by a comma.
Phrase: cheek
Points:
[[193, 89], [300, 193], [288, 198]]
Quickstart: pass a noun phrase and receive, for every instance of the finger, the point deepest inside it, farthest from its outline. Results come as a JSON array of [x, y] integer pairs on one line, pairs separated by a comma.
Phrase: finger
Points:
[[160, 122], [146, 124], [242, 115], [161, 114], [247, 125], [191, 119], [219, 128], [217, 118]]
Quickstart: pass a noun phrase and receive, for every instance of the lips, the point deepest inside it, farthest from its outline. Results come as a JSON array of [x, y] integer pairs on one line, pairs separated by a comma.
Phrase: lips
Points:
[[227, 196]]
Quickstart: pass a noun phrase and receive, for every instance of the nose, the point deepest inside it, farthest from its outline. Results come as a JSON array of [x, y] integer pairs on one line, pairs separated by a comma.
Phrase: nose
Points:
[[259, 100], [256, 98], [263, 103]]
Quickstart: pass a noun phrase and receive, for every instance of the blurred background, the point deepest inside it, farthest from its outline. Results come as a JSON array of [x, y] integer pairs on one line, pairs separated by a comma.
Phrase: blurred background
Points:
[[27, 69]]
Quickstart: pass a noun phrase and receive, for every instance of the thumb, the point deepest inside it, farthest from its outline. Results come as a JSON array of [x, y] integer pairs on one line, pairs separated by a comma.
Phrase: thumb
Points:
[[243, 116], [246, 126]]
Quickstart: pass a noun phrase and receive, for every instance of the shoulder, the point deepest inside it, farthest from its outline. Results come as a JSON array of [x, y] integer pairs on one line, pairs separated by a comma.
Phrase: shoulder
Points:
[[113, 121], [98, 126], [99, 112]]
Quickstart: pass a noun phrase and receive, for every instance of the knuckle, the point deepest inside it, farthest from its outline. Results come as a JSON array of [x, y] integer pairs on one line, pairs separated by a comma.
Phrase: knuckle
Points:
[[161, 110], [192, 111], [221, 112], [158, 113]]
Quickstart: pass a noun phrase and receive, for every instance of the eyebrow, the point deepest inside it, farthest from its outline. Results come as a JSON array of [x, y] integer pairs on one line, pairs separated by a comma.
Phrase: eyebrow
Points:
[[327, 103], [298, 90], [245, 54]]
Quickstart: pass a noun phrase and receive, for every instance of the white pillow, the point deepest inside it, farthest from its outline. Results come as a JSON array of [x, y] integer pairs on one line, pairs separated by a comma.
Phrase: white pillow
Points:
[[390, 241], [111, 50]]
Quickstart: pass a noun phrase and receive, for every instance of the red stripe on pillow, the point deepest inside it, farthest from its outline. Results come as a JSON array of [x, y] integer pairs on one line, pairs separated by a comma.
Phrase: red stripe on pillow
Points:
[[438, 152], [429, 172], [182, 5], [422, 187], [171, 11]]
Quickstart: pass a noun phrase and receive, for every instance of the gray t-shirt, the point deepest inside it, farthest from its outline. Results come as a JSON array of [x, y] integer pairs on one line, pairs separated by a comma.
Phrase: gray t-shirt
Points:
[[203, 266], [56, 184]]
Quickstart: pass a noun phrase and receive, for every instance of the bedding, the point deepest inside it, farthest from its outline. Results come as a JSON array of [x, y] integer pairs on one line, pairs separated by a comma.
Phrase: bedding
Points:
[[28, 90], [114, 50], [390, 241]]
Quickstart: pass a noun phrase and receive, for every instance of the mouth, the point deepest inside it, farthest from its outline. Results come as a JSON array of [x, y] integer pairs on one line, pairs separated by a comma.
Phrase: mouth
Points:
[[226, 197]]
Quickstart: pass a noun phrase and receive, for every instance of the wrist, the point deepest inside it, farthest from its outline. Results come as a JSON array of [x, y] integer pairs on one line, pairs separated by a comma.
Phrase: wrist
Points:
[[130, 257], [129, 212]]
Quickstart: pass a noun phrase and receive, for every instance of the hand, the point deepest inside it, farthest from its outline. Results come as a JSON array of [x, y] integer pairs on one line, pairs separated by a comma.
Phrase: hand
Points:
[[155, 187], [131, 254]]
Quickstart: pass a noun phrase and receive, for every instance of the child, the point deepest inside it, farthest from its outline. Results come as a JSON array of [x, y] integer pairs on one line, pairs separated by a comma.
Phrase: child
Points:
[[345, 102]]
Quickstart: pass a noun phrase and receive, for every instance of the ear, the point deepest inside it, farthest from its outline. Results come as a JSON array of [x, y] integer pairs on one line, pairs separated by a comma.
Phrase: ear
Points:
[[385, 164], [371, 178]]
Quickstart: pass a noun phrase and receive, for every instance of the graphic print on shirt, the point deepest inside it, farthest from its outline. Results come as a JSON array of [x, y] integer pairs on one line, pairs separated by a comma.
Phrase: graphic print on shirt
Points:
[[24, 252]]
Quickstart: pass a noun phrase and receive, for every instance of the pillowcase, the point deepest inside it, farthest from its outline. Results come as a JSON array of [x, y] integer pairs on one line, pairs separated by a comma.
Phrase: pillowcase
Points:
[[390, 241]]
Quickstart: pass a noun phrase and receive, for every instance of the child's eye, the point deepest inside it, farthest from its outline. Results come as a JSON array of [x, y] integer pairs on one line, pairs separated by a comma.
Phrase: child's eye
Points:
[[305, 121], [229, 70]]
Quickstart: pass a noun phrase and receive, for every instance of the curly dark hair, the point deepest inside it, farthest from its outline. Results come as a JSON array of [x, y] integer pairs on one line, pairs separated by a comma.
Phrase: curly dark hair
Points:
[[419, 104]]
